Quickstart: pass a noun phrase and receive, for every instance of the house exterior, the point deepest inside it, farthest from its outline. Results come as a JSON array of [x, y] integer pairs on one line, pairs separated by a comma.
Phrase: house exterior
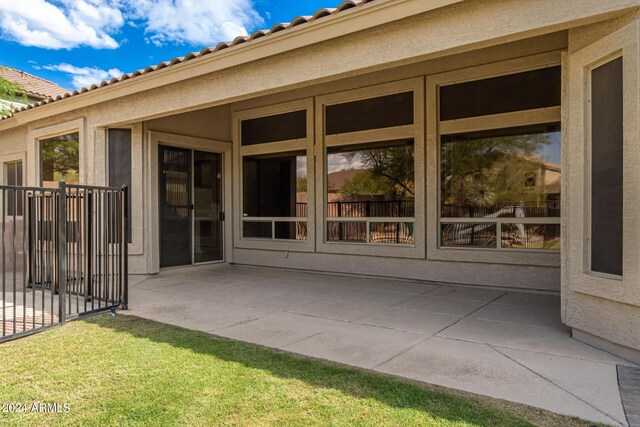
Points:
[[481, 142]]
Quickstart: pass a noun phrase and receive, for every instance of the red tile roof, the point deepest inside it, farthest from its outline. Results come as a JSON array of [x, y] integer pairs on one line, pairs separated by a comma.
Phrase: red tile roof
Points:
[[300, 20], [34, 86]]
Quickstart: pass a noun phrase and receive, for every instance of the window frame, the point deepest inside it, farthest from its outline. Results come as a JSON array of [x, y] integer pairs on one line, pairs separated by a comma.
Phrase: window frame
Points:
[[414, 132], [286, 146], [14, 158], [38, 135], [437, 128]]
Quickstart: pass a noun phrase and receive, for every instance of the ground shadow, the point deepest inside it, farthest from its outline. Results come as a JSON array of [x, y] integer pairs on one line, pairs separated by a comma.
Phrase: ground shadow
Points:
[[360, 383]]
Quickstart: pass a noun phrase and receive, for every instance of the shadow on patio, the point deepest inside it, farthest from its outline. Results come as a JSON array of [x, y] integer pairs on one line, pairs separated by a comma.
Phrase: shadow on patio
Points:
[[507, 345]]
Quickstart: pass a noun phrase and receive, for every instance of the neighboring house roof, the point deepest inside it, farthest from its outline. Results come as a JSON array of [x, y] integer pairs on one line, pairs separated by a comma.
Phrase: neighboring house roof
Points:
[[301, 20], [35, 87]]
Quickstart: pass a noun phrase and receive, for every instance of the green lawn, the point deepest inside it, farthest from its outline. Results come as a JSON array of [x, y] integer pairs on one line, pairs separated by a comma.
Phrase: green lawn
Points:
[[129, 371]]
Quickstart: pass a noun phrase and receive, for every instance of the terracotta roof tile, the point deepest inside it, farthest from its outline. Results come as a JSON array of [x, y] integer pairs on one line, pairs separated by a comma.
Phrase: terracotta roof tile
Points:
[[31, 84], [301, 20]]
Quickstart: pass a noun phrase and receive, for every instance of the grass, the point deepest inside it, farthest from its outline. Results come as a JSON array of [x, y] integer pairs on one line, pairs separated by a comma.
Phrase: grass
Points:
[[129, 371]]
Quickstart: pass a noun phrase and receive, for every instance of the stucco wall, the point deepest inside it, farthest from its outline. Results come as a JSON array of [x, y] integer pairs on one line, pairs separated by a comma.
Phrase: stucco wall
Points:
[[210, 123], [602, 310]]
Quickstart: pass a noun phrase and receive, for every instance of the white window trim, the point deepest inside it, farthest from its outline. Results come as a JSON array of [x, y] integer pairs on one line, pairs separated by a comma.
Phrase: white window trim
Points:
[[436, 128], [578, 276], [239, 151], [34, 174], [415, 132]]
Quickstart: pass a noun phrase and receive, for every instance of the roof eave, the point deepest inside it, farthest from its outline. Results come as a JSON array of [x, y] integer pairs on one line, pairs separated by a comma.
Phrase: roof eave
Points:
[[349, 21]]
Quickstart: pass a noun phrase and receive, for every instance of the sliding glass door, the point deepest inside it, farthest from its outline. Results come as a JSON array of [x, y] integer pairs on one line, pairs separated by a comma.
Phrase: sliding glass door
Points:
[[190, 200]]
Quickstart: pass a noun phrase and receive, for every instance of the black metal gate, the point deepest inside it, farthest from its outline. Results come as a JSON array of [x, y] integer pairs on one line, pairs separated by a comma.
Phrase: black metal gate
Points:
[[64, 255]]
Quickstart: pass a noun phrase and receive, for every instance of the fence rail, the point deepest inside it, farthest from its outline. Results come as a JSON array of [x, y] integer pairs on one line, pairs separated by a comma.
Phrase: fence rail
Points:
[[64, 254]]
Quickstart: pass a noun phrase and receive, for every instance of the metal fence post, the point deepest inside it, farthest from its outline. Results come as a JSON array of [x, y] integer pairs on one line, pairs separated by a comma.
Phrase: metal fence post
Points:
[[62, 251], [124, 253]]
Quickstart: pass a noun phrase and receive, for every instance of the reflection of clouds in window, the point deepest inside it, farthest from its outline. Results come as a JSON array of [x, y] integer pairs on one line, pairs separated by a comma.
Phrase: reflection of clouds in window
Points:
[[301, 166], [340, 161]]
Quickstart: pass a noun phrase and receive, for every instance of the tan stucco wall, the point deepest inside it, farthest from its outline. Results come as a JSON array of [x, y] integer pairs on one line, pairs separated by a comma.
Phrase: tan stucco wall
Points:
[[210, 123], [602, 310]]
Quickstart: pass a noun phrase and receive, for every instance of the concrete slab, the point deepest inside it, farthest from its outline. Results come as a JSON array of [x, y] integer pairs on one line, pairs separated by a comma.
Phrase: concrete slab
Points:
[[478, 368], [423, 322], [358, 345], [278, 330], [530, 300], [556, 341], [442, 305], [487, 341], [526, 315], [472, 294], [599, 388], [337, 309]]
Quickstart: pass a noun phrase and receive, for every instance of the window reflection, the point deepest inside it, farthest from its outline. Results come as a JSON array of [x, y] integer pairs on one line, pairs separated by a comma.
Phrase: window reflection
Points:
[[60, 160], [509, 173], [371, 181]]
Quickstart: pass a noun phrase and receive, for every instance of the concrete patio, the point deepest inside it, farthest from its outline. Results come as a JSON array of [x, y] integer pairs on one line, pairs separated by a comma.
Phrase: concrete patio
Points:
[[506, 345]]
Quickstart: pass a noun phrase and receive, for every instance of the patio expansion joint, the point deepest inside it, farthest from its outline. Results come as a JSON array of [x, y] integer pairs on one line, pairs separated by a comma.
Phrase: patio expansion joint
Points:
[[436, 333], [556, 385]]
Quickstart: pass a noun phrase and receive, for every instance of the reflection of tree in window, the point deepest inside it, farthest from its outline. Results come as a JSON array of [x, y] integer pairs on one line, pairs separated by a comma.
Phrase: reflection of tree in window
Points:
[[509, 173], [60, 159], [369, 181], [483, 175]]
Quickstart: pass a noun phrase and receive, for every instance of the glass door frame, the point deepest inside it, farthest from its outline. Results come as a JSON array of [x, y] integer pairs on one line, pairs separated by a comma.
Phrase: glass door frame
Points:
[[223, 148]]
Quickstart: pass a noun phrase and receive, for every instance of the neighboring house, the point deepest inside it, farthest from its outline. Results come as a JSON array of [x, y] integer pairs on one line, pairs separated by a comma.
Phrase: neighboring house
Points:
[[35, 88], [227, 151]]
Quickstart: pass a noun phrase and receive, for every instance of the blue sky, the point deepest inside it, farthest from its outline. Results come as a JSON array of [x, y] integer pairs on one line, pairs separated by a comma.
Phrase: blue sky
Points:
[[78, 42]]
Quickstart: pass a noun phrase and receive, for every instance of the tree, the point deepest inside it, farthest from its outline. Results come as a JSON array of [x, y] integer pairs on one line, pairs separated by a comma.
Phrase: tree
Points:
[[388, 171], [10, 91]]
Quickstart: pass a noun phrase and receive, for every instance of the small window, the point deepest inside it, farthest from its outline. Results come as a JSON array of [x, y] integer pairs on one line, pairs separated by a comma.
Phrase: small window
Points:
[[607, 168], [371, 193], [275, 196], [514, 92], [59, 157], [119, 149], [373, 113], [13, 171], [279, 127]]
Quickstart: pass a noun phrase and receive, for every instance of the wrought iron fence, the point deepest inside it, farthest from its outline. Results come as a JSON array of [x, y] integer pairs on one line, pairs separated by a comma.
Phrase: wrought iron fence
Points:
[[64, 254]]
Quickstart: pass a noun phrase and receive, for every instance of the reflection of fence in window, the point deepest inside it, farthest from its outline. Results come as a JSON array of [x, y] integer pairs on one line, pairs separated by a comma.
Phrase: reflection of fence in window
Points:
[[371, 208], [531, 236], [527, 234], [466, 234], [541, 209], [386, 221]]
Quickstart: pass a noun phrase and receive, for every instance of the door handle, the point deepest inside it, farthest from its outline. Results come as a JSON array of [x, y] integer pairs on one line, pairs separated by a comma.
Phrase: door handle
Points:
[[221, 216]]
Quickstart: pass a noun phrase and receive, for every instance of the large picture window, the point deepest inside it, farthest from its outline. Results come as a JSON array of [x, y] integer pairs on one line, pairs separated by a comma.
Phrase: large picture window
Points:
[[371, 193], [273, 153], [59, 160], [501, 188]]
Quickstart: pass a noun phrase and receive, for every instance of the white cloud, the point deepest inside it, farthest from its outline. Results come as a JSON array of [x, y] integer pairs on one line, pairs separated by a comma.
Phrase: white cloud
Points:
[[198, 22], [69, 24], [84, 76], [65, 24]]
